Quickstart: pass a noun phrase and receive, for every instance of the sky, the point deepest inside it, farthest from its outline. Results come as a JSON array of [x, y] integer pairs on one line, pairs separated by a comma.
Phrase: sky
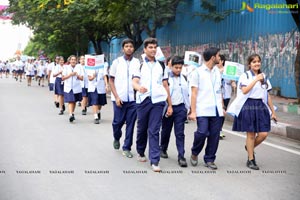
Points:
[[12, 37]]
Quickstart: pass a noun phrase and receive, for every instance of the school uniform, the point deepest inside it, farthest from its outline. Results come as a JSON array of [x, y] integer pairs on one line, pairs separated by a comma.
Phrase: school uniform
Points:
[[29, 69], [150, 107], [59, 84], [209, 111], [41, 70], [122, 70], [84, 82], [179, 93], [50, 67], [96, 88], [19, 66], [254, 114], [72, 87]]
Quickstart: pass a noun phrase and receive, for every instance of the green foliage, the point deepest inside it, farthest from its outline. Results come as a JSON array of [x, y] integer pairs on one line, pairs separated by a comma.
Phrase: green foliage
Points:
[[211, 11], [67, 25]]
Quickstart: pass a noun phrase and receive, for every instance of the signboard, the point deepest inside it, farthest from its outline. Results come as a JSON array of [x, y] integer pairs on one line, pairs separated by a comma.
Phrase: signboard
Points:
[[159, 54], [233, 70], [94, 62], [192, 58]]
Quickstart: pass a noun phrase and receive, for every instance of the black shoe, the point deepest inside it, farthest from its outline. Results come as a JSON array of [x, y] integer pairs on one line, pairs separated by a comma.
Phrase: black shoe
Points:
[[63, 107], [116, 144], [211, 165], [83, 112], [61, 112], [164, 154], [182, 162], [252, 164], [79, 104], [56, 104], [99, 116], [72, 118], [96, 121]]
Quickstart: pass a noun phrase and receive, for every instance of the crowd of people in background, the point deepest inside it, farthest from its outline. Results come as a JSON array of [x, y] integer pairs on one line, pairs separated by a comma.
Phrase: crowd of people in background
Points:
[[158, 97]]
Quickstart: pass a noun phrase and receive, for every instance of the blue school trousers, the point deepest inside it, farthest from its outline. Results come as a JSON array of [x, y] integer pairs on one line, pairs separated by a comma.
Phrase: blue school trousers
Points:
[[126, 113], [149, 118], [207, 128], [178, 118]]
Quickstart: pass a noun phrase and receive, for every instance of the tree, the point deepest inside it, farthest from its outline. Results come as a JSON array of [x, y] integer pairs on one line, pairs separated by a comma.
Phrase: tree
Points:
[[296, 16], [212, 13], [136, 16]]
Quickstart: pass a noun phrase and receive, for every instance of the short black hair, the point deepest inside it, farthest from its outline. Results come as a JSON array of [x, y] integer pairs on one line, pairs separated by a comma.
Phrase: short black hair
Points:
[[177, 60], [150, 41], [210, 52], [126, 41]]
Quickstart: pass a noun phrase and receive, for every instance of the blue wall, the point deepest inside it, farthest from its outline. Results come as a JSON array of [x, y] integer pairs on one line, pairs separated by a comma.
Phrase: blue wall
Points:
[[238, 36]]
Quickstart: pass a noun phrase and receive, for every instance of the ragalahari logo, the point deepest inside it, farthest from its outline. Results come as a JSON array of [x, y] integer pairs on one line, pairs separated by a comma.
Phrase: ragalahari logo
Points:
[[245, 7]]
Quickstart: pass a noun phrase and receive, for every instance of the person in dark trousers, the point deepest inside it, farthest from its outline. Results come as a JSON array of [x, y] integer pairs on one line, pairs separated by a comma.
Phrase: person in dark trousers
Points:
[[150, 80], [179, 93], [207, 108], [124, 106]]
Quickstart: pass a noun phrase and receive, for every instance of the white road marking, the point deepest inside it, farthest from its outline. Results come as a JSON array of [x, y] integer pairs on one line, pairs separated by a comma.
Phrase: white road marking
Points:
[[266, 143]]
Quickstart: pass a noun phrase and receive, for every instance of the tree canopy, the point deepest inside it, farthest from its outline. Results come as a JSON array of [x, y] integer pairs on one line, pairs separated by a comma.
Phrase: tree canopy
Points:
[[66, 26]]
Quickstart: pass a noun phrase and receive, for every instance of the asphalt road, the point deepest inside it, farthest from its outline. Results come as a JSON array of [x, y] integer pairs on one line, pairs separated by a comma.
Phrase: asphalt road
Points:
[[44, 157]]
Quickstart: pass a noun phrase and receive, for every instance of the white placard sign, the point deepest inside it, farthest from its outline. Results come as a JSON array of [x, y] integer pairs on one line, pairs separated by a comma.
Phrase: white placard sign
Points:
[[233, 70], [159, 54], [192, 58], [94, 62]]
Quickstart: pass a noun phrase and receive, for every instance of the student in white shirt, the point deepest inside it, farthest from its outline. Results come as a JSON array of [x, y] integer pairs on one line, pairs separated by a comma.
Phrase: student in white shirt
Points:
[[207, 107], [151, 83], [227, 86], [41, 71], [124, 106], [51, 79], [179, 93], [59, 84], [19, 65], [84, 85], [97, 87], [256, 108], [29, 69], [72, 87]]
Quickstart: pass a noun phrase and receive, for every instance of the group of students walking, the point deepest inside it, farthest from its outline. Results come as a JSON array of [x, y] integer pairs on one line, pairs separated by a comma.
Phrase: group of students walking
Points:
[[159, 97]]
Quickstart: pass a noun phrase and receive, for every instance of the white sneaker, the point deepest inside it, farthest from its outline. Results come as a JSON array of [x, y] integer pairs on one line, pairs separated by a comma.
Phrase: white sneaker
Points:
[[141, 158], [155, 168]]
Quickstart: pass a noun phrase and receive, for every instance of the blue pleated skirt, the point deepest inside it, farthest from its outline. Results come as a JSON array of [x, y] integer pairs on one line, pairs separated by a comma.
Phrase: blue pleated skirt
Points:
[[254, 117], [58, 87], [71, 97], [96, 99]]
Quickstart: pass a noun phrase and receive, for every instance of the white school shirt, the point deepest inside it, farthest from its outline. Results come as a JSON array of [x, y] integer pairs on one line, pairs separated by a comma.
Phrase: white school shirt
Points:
[[51, 68], [29, 69], [227, 89], [208, 83], [84, 82], [151, 77], [98, 82], [258, 91], [56, 69], [41, 69], [72, 83], [19, 65], [179, 90], [123, 70]]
